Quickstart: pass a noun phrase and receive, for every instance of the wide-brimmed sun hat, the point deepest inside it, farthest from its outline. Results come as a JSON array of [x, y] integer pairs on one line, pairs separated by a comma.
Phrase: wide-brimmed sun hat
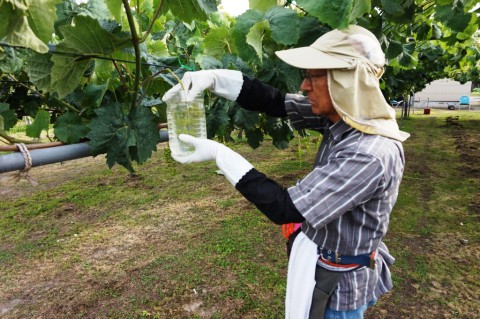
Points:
[[337, 49]]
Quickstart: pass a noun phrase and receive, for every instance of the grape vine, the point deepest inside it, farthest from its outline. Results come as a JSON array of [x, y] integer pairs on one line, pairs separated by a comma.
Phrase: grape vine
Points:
[[96, 71]]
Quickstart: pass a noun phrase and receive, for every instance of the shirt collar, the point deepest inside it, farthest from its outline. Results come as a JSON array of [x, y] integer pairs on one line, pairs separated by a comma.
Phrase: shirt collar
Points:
[[338, 129]]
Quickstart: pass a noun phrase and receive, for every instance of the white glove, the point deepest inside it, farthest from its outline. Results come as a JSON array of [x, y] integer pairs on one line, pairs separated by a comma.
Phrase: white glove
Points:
[[224, 83], [232, 164]]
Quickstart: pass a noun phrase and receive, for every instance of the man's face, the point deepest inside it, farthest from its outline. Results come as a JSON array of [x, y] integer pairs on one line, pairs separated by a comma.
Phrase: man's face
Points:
[[315, 84]]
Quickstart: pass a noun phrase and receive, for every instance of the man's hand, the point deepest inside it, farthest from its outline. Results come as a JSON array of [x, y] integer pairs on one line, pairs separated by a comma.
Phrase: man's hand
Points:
[[205, 150], [224, 83], [232, 164]]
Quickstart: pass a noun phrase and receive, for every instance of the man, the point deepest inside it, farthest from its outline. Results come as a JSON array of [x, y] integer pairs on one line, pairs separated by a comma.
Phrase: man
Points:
[[338, 265]]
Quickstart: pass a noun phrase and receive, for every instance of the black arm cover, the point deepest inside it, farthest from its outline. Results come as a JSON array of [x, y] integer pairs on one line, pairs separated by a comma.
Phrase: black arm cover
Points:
[[270, 198], [258, 96]]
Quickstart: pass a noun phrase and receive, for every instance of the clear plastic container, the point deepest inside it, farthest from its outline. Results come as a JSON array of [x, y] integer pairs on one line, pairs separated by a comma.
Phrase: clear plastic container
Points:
[[185, 117]]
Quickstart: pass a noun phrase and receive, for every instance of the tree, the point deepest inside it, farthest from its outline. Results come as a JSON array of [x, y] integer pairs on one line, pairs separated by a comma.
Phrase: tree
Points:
[[97, 70]]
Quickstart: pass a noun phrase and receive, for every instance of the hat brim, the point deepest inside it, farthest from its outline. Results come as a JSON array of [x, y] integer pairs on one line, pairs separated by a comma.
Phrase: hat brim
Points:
[[310, 58]]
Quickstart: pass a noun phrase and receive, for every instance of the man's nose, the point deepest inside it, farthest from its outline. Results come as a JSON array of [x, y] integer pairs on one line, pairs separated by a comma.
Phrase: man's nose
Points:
[[306, 85]]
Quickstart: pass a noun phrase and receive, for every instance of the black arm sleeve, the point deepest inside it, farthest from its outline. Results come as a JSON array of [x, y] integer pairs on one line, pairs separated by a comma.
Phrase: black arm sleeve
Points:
[[258, 96], [269, 197]]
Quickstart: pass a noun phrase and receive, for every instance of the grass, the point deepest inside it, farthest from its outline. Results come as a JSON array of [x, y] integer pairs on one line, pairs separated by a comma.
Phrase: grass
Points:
[[177, 241]]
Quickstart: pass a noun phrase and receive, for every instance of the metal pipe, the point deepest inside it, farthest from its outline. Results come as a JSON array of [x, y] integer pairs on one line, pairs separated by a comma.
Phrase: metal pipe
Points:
[[15, 161]]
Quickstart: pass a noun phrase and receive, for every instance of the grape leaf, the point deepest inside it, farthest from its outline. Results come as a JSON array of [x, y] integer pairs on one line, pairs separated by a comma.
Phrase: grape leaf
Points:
[[41, 17], [310, 30], [217, 118], [38, 67], [217, 42], [123, 138], [70, 128], [110, 133], [284, 25], [239, 33], [280, 131], [16, 29], [88, 37], [254, 137], [97, 9], [395, 48], [115, 7], [8, 119], [144, 127], [337, 14], [262, 5], [246, 119], [255, 36], [66, 73], [190, 10], [40, 123], [399, 11], [92, 94]]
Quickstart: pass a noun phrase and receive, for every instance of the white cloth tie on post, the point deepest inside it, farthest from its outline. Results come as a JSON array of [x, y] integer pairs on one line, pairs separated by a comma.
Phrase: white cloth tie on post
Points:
[[24, 173]]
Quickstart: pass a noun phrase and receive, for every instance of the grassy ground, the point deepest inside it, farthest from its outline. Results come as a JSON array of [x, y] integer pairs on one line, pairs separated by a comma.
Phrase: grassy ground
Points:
[[177, 241]]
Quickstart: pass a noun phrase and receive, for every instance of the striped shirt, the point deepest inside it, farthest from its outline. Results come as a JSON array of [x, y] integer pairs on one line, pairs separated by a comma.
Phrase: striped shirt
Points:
[[347, 199]]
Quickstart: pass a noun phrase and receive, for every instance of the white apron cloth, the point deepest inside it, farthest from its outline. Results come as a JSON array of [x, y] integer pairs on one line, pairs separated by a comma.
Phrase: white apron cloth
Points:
[[300, 278]]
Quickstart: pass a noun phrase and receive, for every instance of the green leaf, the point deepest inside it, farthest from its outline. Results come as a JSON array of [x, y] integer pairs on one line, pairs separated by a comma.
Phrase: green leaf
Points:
[[360, 8], [246, 119], [5, 12], [254, 137], [115, 7], [239, 33], [337, 14], [394, 7], [97, 9], [16, 29], [66, 11], [405, 58], [40, 123], [92, 94], [88, 37], [39, 68], [217, 119], [217, 42], [454, 17], [284, 25], [310, 30], [12, 62], [399, 11], [8, 118], [262, 5], [123, 138], [208, 62], [110, 133], [66, 73], [280, 131], [190, 10], [255, 37], [70, 128], [41, 17], [436, 31], [145, 129], [395, 48]]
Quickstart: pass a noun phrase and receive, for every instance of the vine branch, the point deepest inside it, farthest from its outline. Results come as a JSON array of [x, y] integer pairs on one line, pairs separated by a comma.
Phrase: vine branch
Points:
[[136, 47], [155, 17]]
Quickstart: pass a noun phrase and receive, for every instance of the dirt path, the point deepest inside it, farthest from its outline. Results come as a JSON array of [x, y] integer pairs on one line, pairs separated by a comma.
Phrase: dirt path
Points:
[[48, 176]]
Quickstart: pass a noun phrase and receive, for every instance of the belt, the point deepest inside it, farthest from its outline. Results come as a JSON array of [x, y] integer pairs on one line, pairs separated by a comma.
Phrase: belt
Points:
[[367, 260]]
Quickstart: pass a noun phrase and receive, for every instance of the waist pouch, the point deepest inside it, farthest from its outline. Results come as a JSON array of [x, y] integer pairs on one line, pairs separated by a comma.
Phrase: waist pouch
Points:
[[326, 281]]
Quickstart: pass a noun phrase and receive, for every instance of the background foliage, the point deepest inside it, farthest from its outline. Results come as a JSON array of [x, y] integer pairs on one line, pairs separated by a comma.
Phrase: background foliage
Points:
[[97, 70]]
